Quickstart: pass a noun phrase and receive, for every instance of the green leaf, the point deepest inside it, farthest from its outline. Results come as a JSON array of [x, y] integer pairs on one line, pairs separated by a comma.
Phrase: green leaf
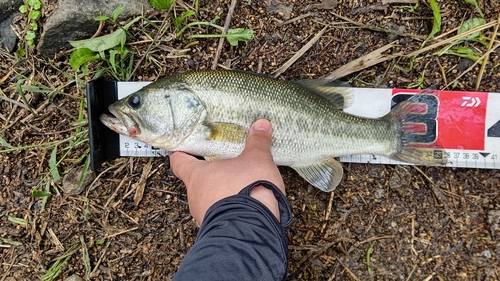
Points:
[[117, 12], [30, 35], [102, 43], [39, 193], [20, 52], [161, 4], [17, 221], [53, 165], [471, 24], [23, 9], [436, 26], [37, 5], [101, 18], [178, 21], [34, 26], [100, 241], [463, 52], [239, 34], [10, 242], [4, 143], [35, 14], [82, 56]]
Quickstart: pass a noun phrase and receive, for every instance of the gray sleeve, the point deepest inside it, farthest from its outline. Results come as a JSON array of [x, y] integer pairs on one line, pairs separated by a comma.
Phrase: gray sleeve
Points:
[[240, 239]]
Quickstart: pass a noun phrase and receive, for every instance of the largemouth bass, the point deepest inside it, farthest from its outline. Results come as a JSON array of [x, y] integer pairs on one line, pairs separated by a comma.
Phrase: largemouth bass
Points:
[[208, 113]]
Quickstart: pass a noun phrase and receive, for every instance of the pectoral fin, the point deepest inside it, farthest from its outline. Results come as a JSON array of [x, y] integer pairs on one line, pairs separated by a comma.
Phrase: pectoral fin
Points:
[[227, 132], [325, 175]]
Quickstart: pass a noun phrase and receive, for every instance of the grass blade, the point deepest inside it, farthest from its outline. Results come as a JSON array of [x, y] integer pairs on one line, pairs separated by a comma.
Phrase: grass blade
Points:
[[19, 89], [60, 263], [5, 143], [436, 26], [53, 165]]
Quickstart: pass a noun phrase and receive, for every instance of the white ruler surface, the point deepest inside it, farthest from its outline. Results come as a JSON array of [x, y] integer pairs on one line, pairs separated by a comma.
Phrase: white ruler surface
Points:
[[467, 126]]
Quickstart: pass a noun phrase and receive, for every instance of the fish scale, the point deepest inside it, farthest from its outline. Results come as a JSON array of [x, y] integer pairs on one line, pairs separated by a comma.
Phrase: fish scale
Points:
[[208, 113]]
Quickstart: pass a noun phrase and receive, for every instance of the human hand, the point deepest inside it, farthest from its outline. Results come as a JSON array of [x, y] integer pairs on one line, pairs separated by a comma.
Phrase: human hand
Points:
[[210, 181]]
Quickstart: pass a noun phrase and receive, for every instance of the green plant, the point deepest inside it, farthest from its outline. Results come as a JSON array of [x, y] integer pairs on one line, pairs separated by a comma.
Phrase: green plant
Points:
[[474, 2], [409, 8], [109, 49], [436, 27], [32, 9], [463, 51], [233, 36]]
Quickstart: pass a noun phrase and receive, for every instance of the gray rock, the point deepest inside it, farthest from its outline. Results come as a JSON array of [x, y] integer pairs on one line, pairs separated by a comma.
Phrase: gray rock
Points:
[[8, 38], [74, 20], [8, 7], [8, 10]]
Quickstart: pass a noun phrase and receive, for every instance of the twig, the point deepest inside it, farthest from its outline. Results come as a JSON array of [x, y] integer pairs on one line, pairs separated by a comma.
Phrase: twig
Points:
[[20, 104], [473, 65], [226, 27], [417, 37], [6, 76], [363, 62], [115, 192], [451, 39], [158, 35], [399, 1], [328, 211], [122, 232], [423, 174], [55, 240], [485, 60], [296, 19], [348, 270], [301, 52], [411, 272], [141, 185], [94, 271]]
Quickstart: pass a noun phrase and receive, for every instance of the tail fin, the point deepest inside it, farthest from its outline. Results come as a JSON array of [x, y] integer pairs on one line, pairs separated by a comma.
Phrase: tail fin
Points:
[[415, 120]]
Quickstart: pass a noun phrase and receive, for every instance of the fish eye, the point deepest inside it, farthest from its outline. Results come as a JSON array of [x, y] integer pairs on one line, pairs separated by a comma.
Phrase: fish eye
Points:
[[134, 101]]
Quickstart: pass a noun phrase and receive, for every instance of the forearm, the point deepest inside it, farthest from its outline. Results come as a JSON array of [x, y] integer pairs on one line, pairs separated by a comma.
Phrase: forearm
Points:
[[240, 238]]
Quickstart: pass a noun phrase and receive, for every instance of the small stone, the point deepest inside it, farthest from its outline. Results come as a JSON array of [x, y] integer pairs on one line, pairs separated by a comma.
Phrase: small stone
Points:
[[75, 20], [486, 254], [74, 277], [379, 193]]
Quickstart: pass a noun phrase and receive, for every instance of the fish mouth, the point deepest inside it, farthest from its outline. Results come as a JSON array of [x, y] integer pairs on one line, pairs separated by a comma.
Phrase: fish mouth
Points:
[[123, 123]]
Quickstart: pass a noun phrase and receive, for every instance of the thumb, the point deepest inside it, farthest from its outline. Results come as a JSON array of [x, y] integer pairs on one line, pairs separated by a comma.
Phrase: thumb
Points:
[[259, 139], [182, 164]]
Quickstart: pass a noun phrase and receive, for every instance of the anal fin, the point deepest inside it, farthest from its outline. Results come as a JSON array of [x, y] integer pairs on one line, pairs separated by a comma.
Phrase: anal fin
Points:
[[325, 175]]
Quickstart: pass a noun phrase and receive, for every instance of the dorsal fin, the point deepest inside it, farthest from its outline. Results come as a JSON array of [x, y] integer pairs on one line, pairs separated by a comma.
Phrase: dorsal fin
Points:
[[335, 91]]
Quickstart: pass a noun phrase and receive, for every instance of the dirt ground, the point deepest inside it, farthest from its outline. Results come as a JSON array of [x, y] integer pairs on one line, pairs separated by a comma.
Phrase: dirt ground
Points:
[[429, 224]]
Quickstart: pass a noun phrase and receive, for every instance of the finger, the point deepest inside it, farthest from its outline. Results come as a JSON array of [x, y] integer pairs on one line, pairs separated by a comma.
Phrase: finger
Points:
[[259, 139], [182, 164]]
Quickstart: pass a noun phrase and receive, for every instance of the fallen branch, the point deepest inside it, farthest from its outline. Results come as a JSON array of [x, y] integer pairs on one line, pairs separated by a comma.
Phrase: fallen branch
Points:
[[485, 60], [226, 28], [363, 62], [375, 28], [301, 52]]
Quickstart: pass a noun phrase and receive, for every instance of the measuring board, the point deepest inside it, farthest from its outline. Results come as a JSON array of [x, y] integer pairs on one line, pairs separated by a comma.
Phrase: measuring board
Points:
[[465, 124]]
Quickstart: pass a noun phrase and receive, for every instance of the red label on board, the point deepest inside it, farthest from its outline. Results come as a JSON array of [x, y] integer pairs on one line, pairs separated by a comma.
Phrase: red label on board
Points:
[[460, 119]]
